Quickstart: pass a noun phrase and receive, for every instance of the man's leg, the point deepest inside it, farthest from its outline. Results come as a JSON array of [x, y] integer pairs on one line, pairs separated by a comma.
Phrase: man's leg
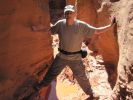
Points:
[[55, 69], [79, 73]]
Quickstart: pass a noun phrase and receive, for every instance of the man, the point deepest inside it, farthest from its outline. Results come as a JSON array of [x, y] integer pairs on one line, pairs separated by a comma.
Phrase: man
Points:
[[71, 35]]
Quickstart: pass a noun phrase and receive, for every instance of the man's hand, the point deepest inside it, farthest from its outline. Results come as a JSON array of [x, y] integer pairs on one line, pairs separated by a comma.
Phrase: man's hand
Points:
[[39, 28], [113, 21]]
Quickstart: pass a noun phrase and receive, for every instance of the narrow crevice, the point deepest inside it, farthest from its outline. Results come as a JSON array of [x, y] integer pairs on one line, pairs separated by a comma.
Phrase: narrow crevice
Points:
[[114, 0], [56, 9]]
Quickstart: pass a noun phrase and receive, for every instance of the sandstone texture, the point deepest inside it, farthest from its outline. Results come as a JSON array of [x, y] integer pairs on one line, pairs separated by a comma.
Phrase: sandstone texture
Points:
[[124, 13], [25, 54], [72, 2]]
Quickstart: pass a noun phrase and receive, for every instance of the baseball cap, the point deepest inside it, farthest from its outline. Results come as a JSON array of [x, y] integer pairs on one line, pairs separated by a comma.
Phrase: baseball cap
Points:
[[69, 8]]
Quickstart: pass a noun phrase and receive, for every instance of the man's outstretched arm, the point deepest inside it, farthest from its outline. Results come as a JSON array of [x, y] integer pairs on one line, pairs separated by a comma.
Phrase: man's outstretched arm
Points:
[[53, 29], [99, 29], [40, 28]]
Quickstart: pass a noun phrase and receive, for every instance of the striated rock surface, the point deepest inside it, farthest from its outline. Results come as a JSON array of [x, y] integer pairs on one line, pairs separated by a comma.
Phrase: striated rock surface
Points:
[[124, 13], [24, 54]]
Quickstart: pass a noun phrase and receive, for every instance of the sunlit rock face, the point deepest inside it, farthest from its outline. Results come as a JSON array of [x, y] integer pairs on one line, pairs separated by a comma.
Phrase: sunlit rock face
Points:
[[24, 53], [124, 15]]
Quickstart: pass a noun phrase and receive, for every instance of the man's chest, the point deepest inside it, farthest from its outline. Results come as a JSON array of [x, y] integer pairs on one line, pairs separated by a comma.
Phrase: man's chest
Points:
[[70, 32]]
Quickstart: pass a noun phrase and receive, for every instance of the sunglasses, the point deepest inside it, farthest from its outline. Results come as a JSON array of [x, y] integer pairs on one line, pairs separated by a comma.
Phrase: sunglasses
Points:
[[68, 12]]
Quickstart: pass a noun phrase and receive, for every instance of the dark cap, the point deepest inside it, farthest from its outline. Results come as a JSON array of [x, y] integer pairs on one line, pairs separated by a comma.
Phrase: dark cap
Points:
[[69, 8]]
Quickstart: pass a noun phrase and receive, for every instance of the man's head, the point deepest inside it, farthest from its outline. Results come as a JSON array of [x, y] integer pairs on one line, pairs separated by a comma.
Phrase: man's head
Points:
[[70, 8], [69, 12]]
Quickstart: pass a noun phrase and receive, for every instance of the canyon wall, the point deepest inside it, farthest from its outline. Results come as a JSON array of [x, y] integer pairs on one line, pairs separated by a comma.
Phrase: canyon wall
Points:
[[123, 11], [25, 54], [72, 2], [56, 10]]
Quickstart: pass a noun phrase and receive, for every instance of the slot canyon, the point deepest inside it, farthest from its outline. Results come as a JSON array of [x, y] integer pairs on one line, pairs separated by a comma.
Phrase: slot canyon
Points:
[[26, 54]]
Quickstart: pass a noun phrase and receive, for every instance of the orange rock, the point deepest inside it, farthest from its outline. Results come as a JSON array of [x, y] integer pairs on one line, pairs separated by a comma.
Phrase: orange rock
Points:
[[86, 11], [23, 52], [72, 2]]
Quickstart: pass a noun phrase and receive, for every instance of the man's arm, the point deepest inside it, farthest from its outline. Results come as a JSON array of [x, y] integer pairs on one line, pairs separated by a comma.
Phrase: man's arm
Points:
[[99, 29], [40, 28], [53, 29]]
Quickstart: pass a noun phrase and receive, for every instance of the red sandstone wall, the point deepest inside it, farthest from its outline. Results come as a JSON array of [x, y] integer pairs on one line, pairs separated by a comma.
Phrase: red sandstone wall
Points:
[[71, 2], [97, 13], [23, 52], [86, 11]]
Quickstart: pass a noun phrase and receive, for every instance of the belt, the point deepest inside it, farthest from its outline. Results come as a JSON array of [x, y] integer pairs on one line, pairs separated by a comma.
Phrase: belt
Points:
[[68, 53]]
